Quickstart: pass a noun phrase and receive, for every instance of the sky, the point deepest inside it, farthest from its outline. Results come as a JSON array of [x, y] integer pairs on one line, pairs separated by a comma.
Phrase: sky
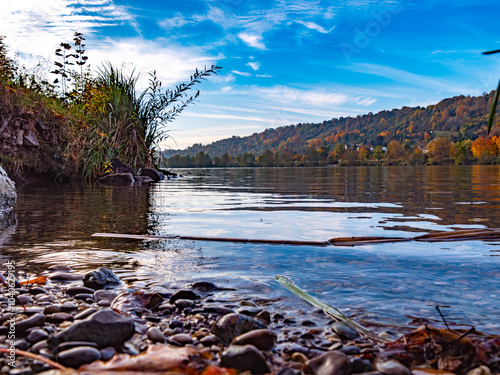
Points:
[[283, 62]]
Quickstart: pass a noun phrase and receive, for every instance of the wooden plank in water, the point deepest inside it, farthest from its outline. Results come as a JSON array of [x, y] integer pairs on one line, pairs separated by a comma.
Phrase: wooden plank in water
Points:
[[216, 239], [461, 235], [357, 241]]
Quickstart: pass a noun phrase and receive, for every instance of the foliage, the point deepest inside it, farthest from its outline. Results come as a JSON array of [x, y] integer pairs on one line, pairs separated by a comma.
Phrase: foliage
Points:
[[90, 123]]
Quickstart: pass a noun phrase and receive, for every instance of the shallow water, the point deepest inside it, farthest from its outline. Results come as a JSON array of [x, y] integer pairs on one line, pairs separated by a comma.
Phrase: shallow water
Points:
[[386, 282]]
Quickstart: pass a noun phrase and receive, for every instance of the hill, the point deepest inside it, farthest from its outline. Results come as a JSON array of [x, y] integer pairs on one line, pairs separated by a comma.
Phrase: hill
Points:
[[456, 119]]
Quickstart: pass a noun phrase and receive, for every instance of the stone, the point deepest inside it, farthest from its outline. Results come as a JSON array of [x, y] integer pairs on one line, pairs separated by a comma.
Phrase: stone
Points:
[[155, 335], [350, 350], [143, 180], [74, 290], [39, 345], [60, 317], [103, 294], [68, 306], [78, 356], [99, 279], [84, 297], [8, 195], [36, 320], [330, 363], [37, 335], [299, 357], [105, 328], [120, 167], [248, 310], [392, 367], [70, 345], [181, 304], [181, 338], [117, 179], [209, 340], [234, 324], [63, 276], [360, 365], [107, 353], [168, 173], [24, 299], [59, 267], [52, 309], [204, 286], [175, 323], [153, 174], [481, 370], [184, 294], [245, 358], [345, 331], [85, 313], [262, 339], [37, 290], [264, 317]]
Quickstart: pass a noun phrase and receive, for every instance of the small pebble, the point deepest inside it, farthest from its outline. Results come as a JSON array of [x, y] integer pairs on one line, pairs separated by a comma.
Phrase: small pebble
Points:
[[78, 356], [155, 335]]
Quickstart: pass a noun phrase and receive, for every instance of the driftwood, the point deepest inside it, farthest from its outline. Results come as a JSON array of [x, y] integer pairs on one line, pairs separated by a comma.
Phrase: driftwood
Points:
[[456, 235]]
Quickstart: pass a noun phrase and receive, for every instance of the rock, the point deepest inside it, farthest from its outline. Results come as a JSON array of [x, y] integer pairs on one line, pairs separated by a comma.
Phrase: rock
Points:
[[153, 174], [52, 309], [117, 179], [78, 356], [232, 325], [63, 276], [8, 194], [330, 363], [59, 267], [481, 370], [39, 345], [72, 344], [219, 310], [37, 335], [85, 313], [181, 304], [175, 323], [100, 278], [360, 365], [248, 310], [245, 358], [209, 340], [120, 167], [24, 299], [168, 173], [204, 286], [350, 350], [184, 294], [107, 353], [74, 290], [299, 357], [264, 317], [155, 335], [392, 367], [345, 331], [84, 296], [37, 290], [105, 328], [68, 306], [107, 295], [59, 317], [36, 320], [262, 339], [181, 339], [143, 180]]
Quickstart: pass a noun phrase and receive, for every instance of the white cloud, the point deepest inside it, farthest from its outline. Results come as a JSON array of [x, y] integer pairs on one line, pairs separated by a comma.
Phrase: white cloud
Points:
[[245, 74], [174, 22], [254, 41], [254, 65], [264, 75], [314, 26]]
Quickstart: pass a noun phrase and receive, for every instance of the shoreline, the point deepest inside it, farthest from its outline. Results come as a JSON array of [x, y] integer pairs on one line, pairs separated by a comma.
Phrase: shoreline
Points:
[[73, 324]]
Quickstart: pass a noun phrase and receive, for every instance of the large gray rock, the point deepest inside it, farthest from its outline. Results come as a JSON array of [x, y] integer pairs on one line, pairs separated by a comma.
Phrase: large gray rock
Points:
[[8, 194], [104, 328], [117, 179]]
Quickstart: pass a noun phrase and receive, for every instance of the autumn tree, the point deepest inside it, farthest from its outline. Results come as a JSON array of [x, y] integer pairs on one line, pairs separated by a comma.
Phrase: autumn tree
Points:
[[395, 150], [440, 150]]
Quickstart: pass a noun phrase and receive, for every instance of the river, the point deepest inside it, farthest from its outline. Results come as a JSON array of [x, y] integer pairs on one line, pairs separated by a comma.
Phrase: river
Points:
[[389, 283]]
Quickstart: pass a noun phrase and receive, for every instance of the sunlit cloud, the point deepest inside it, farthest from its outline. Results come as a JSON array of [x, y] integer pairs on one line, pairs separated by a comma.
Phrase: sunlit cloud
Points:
[[254, 41], [314, 26], [245, 74], [254, 65]]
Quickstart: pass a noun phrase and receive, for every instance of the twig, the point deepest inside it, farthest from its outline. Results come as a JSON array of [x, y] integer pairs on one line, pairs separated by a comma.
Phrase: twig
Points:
[[472, 330], [442, 316], [34, 356]]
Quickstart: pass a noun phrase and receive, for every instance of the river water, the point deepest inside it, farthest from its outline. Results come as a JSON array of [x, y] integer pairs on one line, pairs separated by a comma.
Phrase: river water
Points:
[[387, 283]]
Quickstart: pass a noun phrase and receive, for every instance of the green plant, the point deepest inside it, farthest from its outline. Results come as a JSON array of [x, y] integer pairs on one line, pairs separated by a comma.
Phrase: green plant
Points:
[[491, 118]]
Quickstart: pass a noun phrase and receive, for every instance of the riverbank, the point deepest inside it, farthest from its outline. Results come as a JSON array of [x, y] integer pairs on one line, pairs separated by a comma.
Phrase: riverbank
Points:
[[69, 319]]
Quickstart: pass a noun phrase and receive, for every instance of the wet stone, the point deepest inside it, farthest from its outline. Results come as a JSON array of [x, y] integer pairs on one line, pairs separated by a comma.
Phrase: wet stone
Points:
[[78, 356], [345, 331], [360, 365], [204, 286], [39, 366], [65, 277], [264, 317], [99, 279], [21, 344], [74, 290], [72, 344], [330, 363], [60, 317], [39, 345], [24, 299], [248, 310], [155, 335], [85, 313], [104, 303], [232, 325], [36, 320], [350, 350], [184, 294], [21, 371], [103, 294], [37, 335], [181, 338], [45, 298], [298, 357], [68, 307], [262, 339], [392, 367], [183, 303], [176, 323], [59, 267], [107, 353], [37, 290], [209, 340], [105, 328], [245, 358], [52, 309], [84, 296]]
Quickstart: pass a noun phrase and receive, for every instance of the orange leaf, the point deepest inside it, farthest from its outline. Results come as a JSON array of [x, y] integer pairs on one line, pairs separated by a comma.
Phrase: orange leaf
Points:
[[41, 280]]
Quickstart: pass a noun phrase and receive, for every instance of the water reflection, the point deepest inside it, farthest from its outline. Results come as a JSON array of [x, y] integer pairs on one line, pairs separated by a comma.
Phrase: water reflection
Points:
[[55, 223]]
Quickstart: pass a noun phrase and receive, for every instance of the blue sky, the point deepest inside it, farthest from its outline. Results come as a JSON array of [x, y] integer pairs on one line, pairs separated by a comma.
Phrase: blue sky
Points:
[[284, 62]]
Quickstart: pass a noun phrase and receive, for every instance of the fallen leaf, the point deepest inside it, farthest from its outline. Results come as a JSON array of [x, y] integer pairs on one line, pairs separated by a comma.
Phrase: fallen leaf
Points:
[[41, 280]]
